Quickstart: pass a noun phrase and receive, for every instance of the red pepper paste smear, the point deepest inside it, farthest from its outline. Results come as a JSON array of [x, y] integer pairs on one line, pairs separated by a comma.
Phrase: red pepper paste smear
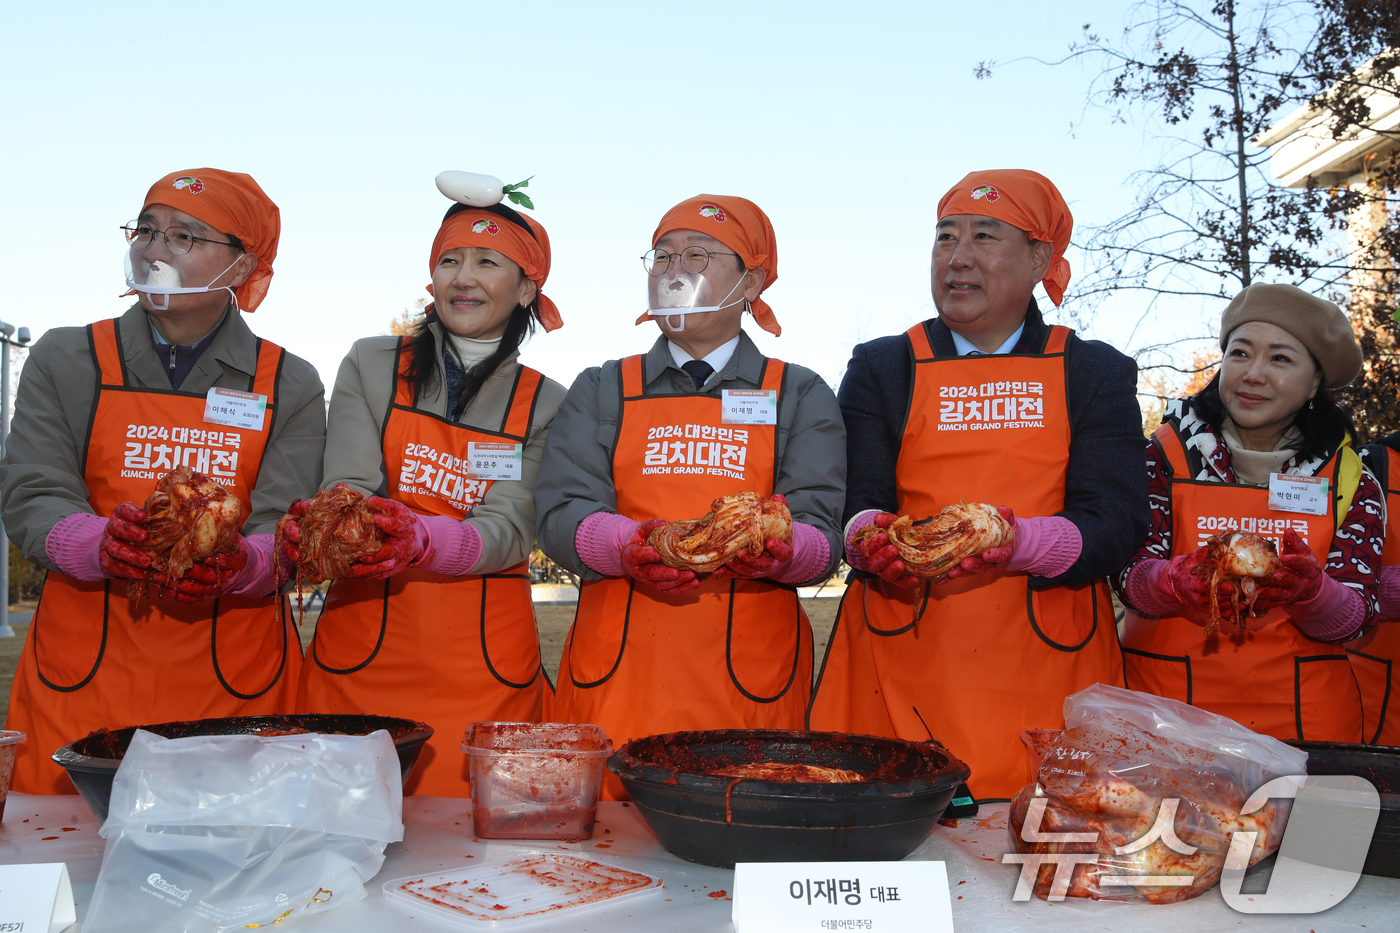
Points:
[[721, 893], [559, 882]]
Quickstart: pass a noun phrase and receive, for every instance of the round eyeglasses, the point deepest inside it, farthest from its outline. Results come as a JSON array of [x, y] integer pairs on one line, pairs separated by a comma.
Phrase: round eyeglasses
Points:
[[177, 239], [693, 259]]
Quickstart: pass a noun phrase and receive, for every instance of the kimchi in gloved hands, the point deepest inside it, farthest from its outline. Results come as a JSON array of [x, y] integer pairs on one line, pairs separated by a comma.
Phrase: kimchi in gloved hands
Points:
[[405, 540], [991, 557], [328, 533], [206, 578], [931, 550], [774, 556], [644, 562], [870, 549], [187, 518], [1232, 568], [737, 526]]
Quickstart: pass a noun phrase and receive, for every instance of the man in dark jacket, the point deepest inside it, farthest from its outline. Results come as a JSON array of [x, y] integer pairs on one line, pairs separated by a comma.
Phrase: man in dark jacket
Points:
[[987, 404]]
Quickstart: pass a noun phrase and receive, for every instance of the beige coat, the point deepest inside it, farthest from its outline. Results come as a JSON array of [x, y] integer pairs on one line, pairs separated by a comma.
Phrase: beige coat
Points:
[[364, 388]]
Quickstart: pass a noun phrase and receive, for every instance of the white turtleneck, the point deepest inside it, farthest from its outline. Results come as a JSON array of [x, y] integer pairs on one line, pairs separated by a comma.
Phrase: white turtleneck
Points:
[[470, 350]]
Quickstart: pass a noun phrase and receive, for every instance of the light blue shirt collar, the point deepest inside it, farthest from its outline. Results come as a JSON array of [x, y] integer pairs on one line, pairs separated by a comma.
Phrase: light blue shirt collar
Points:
[[965, 346], [717, 357]]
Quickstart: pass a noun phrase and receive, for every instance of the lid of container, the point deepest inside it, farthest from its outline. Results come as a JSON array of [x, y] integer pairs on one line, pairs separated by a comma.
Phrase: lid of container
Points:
[[11, 738], [536, 736], [519, 892]]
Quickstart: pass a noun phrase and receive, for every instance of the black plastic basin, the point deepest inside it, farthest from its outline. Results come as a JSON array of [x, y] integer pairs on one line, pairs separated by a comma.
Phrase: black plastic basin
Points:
[[716, 820], [92, 762], [1379, 764]]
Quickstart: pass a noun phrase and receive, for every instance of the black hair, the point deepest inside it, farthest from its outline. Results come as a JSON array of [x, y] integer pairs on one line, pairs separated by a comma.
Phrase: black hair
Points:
[[424, 369], [1322, 421]]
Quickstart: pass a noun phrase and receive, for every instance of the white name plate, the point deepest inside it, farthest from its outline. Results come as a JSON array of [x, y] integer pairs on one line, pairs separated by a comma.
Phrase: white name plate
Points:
[[817, 897], [36, 898], [234, 408]]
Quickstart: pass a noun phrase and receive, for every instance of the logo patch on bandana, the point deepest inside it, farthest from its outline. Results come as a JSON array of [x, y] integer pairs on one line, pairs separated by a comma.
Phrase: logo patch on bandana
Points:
[[194, 185], [486, 226], [709, 210], [985, 191]]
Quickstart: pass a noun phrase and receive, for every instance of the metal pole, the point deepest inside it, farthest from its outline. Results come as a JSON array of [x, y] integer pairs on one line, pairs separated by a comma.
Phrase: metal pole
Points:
[[5, 630]]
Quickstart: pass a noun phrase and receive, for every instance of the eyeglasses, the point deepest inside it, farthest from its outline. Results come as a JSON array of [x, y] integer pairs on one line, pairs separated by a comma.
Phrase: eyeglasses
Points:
[[178, 239], [693, 259]]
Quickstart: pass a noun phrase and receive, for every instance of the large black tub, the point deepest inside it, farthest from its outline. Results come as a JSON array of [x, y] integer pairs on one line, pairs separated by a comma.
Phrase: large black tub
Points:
[[1380, 765], [719, 820], [92, 762]]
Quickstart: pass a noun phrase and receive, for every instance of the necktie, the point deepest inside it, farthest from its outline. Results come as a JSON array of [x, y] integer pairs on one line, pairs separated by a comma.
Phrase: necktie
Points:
[[699, 371]]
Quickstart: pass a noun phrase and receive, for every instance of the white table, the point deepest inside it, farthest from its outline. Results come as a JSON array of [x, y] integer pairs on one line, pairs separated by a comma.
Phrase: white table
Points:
[[437, 837]]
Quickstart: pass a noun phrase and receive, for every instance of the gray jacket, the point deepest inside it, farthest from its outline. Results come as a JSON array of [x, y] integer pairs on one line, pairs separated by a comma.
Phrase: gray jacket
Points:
[[576, 474], [364, 387], [41, 477]]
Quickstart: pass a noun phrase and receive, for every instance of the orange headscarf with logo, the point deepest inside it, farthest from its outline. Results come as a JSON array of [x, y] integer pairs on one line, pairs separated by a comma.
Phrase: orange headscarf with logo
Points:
[[739, 224], [1028, 201], [474, 226], [233, 204]]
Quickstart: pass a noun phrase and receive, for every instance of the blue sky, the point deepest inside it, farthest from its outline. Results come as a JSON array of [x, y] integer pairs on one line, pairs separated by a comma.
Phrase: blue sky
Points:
[[845, 122]]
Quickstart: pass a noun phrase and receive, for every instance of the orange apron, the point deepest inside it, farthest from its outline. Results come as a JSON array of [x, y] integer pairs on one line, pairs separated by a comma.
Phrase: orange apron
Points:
[[732, 654], [448, 651], [973, 662], [89, 661], [1272, 678], [1373, 659]]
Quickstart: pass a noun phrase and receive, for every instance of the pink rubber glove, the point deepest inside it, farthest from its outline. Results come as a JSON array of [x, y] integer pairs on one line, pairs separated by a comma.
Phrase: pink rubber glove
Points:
[[1389, 590], [877, 554], [116, 556], [600, 539], [811, 553], [406, 541], [453, 547], [1335, 614], [1046, 546], [990, 559], [1297, 581], [642, 562], [75, 546]]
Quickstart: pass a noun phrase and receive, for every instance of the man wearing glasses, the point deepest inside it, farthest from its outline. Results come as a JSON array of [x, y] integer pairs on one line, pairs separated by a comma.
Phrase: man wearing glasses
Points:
[[658, 437], [101, 414]]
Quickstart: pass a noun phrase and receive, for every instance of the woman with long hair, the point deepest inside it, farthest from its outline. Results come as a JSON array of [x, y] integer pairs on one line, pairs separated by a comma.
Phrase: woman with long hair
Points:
[[1263, 449], [443, 429]]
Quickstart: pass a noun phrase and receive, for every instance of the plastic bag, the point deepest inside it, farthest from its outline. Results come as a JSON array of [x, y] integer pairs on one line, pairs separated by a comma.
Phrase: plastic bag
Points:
[[1152, 788], [215, 833]]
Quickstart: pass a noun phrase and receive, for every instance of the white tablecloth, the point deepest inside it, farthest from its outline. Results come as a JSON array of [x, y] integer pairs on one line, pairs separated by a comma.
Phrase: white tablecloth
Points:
[[437, 837]]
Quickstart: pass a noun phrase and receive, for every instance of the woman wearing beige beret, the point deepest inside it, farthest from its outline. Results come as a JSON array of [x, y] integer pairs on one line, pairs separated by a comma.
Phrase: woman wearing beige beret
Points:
[[1262, 450]]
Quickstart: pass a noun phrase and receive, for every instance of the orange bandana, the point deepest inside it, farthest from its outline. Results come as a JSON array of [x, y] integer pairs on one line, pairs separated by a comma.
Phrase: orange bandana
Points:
[[233, 204], [740, 225], [1026, 200], [477, 227]]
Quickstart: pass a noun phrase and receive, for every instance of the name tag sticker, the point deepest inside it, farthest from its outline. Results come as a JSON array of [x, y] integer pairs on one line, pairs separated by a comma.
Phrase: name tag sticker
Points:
[[234, 408], [491, 460], [749, 406], [37, 898], [1306, 494], [815, 897]]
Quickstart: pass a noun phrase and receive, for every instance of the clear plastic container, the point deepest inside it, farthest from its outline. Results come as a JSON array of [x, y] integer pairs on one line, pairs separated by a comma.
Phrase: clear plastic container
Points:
[[535, 780], [9, 745], [536, 888]]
